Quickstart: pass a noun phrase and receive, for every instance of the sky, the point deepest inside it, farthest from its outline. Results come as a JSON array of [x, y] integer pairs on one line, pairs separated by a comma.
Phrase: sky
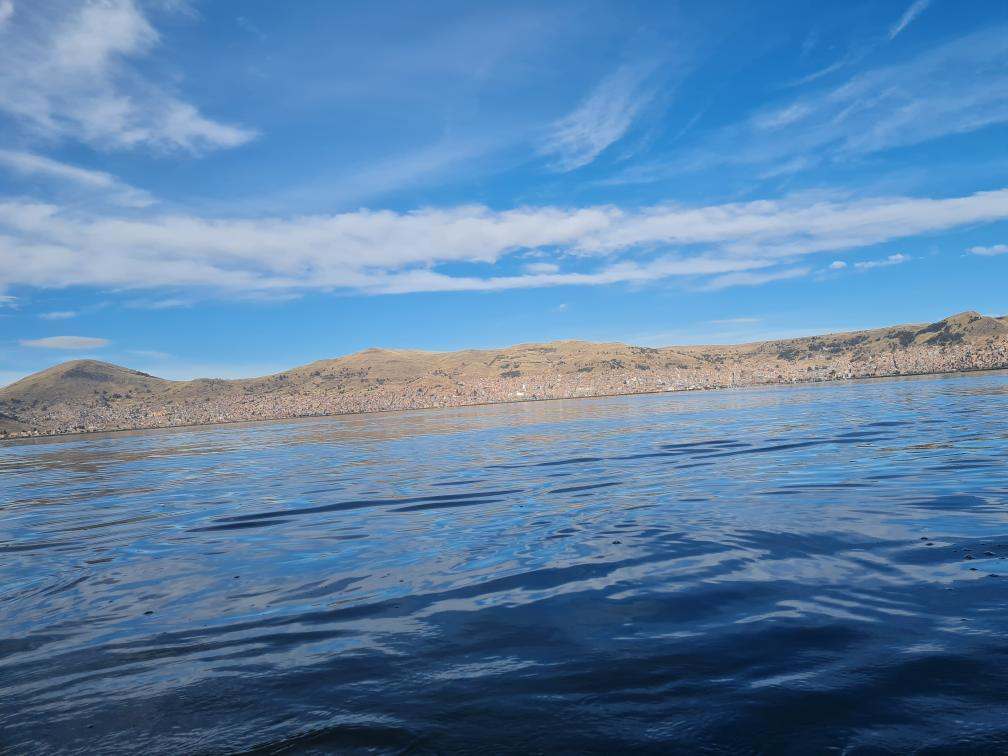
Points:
[[234, 188]]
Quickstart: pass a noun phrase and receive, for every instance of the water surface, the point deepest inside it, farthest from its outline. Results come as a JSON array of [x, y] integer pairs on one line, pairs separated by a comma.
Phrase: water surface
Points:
[[809, 569]]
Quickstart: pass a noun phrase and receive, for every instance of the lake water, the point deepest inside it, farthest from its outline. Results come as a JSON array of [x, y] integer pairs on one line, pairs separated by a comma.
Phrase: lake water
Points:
[[807, 569]]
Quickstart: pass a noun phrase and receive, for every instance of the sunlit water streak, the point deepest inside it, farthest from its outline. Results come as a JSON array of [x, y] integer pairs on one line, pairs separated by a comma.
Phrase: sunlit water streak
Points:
[[785, 570]]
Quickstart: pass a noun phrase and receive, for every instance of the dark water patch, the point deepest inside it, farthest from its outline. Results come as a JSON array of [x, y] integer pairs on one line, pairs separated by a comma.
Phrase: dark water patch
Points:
[[571, 461], [645, 455], [242, 525], [344, 506], [7, 548], [953, 503], [812, 488], [970, 464], [344, 738], [586, 487], [873, 435], [777, 447], [702, 445], [445, 504]]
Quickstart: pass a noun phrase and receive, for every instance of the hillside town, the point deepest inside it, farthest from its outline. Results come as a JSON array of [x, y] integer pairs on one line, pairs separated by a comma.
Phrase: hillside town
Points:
[[99, 398]]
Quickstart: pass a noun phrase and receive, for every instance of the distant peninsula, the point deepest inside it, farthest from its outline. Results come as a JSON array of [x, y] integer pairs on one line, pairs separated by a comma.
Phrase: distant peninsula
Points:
[[90, 396]]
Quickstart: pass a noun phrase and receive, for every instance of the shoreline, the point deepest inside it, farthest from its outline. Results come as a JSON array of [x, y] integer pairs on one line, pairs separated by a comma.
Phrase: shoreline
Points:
[[707, 389]]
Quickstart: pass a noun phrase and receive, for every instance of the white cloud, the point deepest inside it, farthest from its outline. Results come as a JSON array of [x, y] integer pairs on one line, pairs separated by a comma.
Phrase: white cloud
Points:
[[897, 259], [600, 120], [44, 245], [66, 342], [997, 249], [754, 279], [916, 8], [159, 304], [541, 267], [6, 300], [65, 73], [58, 315], [6, 11], [30, 164], [837, 265]]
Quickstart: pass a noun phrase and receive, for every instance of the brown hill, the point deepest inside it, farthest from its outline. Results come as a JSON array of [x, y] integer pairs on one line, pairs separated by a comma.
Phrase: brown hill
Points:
[[87, 395]]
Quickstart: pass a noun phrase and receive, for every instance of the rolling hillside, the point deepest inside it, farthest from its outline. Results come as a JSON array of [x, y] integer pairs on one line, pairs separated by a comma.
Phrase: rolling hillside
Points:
[[87, 395]]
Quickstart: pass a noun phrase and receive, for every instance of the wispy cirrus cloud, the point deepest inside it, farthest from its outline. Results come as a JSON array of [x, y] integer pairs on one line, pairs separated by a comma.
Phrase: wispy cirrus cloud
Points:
[[991, 251], [66, 342], [909, 15], [30, 164], [855, 55], [59, 315], [387, 252], [957, 87], [601, 120], [746, 278], [863, 48], [159, 304], [66, 73], [897, 259], [6, 11]]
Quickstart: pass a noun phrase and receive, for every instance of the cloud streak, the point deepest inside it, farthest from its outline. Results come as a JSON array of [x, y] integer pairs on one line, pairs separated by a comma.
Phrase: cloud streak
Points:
[[908, 17], [897, 259], [753, 279], [59, 315], [30, 164], [66, 342], [600, 121], [996, 249], [470, 247]]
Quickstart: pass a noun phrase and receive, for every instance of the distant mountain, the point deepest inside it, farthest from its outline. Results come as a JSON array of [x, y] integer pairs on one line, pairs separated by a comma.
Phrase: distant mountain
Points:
[[87, 395]]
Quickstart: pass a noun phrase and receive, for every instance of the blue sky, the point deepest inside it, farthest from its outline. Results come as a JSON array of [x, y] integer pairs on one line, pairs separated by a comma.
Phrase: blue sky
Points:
[[234, 188]]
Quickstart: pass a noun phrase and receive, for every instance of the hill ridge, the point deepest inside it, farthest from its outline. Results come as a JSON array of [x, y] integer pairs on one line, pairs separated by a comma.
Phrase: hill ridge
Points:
[[92, 395]]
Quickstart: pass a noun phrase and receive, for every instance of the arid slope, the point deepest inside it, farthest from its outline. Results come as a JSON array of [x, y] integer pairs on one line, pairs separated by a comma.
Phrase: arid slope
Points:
[[87, 395]]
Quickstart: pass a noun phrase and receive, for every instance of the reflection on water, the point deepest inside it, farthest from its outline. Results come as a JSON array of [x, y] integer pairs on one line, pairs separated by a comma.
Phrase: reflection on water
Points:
[[785, 570]]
